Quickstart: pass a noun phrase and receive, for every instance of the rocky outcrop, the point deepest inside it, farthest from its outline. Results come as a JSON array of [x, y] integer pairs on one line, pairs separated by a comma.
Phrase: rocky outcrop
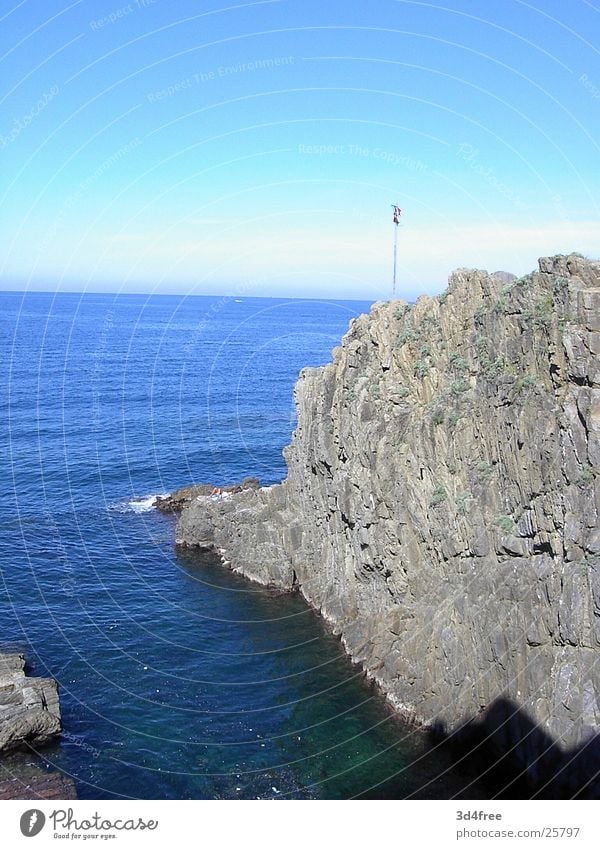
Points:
[[29, 707], [441, 504], [183, 497]]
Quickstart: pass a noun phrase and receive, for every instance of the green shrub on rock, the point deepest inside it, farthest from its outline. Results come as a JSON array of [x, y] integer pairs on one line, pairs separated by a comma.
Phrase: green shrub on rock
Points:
[[439, 495], [505, 523]]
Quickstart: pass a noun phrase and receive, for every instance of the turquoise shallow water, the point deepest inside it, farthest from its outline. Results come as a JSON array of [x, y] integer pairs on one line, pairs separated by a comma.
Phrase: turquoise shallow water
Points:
[[178, 678]]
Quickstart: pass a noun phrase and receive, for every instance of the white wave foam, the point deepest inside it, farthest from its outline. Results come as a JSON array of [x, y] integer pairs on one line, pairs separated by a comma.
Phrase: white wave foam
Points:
[[142, 505]]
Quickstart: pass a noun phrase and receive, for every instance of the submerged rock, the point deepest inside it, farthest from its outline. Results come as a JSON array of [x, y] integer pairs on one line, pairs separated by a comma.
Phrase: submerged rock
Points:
[[29, 707], [441, 504], [27, 781]]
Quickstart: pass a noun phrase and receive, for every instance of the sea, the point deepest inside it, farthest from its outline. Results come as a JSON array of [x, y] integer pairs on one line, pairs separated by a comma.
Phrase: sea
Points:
[[178, 679]]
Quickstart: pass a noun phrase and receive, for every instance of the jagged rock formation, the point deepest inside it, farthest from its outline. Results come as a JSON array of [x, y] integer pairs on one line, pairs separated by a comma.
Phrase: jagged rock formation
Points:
[[29, 707], [441, 504]]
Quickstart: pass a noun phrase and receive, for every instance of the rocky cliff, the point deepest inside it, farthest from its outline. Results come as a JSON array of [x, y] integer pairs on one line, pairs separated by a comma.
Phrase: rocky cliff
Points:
[[441, 504]]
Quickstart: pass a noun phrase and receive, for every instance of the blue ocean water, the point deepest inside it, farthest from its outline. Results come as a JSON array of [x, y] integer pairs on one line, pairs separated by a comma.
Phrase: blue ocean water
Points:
[[178, 679]]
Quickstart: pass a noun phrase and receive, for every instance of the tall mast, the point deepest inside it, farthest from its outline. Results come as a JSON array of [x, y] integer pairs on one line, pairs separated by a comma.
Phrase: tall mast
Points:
[[397, 214]]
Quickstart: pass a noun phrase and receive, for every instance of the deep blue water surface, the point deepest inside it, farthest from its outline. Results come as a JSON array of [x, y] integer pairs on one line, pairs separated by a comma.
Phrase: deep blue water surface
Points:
[[178, 679]]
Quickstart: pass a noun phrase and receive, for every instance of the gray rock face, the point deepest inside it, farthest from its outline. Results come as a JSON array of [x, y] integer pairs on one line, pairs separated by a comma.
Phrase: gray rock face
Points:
[[29, 707], [441, 504]]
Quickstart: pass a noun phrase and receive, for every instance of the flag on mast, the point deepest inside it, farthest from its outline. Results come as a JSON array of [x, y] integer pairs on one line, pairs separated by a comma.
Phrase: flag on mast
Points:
[[397, 214]]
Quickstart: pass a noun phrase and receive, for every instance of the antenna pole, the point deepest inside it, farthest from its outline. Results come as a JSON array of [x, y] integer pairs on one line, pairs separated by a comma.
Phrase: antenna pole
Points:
[[397, 214], [395, 259]]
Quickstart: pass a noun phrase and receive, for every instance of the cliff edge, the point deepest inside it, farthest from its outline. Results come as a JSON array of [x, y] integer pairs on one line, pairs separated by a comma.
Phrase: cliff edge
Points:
[[441, 503]]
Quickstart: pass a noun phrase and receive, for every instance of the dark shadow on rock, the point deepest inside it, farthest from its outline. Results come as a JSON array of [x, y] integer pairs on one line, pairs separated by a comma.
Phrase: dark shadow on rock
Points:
[[517, 759]]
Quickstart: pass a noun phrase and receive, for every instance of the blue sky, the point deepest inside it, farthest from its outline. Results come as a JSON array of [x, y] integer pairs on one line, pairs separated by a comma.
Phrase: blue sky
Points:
[[255, 148]]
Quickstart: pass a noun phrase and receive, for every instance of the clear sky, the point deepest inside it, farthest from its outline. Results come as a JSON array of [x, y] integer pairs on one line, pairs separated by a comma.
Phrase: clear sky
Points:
[[202, 147]]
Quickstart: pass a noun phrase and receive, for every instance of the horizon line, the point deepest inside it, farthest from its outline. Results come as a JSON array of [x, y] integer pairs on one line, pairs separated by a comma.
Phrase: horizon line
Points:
[[180, 295]]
